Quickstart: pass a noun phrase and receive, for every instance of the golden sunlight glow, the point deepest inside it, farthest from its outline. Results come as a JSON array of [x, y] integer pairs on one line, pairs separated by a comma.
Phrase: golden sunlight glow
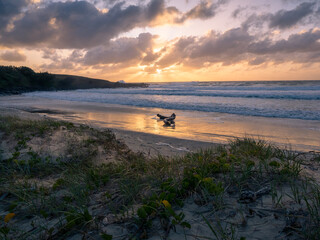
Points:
[[315, 30], [275, 32], [303, 31], [167, 17], [52, 21], [104, 10], [176, 44], [142, 67], [156, 50]]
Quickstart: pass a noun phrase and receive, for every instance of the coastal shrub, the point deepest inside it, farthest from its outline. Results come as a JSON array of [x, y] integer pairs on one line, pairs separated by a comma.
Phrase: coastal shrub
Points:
[[290, 168], [312, 201], [97, 177], [146, 192], [249, 147], [274, 164], [159, 206], [193, 180], [316, 157], [59, 182], [77, 217]]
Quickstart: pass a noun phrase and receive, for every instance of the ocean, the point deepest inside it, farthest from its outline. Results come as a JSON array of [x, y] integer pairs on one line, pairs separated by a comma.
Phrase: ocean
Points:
[[276, 99], [285, 113]]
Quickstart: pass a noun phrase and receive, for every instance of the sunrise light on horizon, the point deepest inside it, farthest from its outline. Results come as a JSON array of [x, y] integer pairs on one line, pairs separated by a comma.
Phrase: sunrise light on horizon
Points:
[[164, 41]]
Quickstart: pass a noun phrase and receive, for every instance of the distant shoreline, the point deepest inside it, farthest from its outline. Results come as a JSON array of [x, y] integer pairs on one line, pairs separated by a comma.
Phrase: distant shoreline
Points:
[[17, 80]]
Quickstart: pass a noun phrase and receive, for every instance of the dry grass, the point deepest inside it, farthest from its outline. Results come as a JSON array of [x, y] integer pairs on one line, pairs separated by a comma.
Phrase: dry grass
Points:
[[72, 195]]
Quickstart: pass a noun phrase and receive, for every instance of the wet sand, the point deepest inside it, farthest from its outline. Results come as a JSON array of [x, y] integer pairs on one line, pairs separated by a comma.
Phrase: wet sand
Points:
[[141, 131], [149, 144]]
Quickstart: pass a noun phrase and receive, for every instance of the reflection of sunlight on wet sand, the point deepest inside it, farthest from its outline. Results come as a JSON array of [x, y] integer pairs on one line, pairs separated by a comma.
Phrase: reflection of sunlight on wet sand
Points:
[[139, 122], [201, 126], [156, 127], [185, 126], [130, 121], [209, 128]]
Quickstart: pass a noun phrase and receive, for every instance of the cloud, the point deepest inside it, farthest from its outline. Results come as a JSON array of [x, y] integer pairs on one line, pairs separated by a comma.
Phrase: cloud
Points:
[[286, 19], [49, 53], [9, 9], [237, 45], [305, 42], [204, 10], [13, 56], [231, 42], [227, 47], [150, 57], [89, 34], [62, 65], [231, 47], [234, 46], [71, 25], [122, 50], [261, 22], [256, 21], [257, 61], [238, 11], [80, 24], [58, 62]]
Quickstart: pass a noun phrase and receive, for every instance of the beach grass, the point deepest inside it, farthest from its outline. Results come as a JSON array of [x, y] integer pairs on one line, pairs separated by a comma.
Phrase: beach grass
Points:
[[94, 187]]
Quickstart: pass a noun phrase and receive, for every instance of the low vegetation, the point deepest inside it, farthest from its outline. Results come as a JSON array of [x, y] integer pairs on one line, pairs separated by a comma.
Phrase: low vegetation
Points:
[[94, 187]]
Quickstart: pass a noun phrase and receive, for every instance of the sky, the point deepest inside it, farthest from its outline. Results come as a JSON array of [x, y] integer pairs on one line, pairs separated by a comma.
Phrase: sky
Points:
[[164, 40]]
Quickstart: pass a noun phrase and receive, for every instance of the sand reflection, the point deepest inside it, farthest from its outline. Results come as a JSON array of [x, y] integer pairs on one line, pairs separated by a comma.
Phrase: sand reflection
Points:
[[298, 134], [192, 125]]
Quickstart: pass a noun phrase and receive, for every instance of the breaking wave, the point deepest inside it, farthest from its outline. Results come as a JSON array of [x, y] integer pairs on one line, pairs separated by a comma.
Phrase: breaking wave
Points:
[[291, 99]]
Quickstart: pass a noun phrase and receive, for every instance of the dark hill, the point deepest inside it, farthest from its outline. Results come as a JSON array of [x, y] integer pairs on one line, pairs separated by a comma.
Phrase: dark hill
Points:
[[14, 80]]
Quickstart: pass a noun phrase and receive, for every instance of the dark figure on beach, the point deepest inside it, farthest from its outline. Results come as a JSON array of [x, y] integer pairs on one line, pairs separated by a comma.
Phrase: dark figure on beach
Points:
[[168, 121], [173, 116]]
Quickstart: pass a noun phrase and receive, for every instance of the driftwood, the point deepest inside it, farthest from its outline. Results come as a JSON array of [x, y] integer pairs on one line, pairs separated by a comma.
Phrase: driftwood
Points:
[[173, 116], [168, 121]]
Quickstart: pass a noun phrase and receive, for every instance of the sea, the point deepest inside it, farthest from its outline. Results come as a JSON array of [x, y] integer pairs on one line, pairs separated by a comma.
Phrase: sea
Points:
[[276, 99], [284, 109]]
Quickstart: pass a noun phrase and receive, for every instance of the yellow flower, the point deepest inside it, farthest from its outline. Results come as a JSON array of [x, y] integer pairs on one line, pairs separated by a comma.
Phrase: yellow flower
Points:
[[166, 203], [8, 217], [207, 180], [197, 176]]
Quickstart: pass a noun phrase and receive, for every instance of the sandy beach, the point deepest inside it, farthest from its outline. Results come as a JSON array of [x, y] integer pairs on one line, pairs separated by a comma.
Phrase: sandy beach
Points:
[[149, 144], [201, 129]]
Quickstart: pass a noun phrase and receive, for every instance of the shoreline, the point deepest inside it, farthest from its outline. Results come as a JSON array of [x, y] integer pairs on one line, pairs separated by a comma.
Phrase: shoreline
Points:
[[150, 144], [31, 81], [301, 135]]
